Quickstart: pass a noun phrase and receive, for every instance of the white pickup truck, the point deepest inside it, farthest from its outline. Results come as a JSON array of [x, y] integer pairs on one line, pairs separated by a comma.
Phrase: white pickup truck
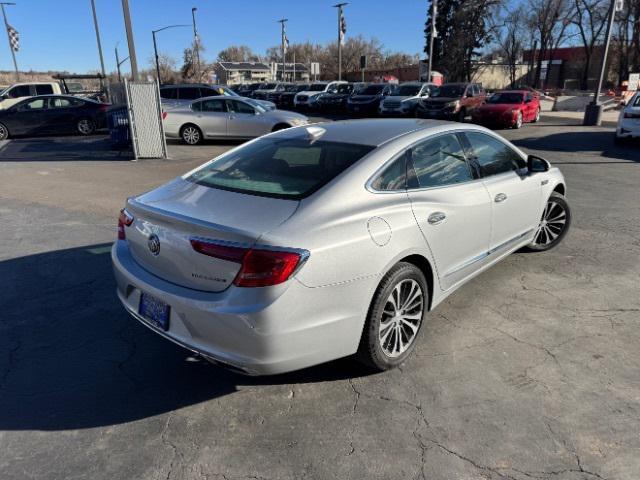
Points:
[[19, 91]]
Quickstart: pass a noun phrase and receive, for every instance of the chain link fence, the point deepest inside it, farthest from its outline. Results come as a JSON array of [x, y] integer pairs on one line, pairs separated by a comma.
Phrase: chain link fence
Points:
[[145, 119]]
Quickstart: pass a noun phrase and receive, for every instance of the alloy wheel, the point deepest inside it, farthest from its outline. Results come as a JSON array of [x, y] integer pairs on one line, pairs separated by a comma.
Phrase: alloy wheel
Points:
[[191, 135], [4, 133], [85, 126], [401, 318], [535, 120], [519, 120], [552, 224]]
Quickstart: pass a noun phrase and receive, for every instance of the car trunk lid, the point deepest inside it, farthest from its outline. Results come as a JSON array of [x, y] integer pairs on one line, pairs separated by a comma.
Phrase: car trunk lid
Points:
[[168, 218]]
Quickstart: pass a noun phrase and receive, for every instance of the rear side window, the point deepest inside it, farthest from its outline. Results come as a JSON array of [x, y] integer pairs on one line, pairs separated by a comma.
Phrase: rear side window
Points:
[[64, 102], [393, 178], [440, 161], [281, 168], [493, 156], [44, 90], [169, 93], [189, 93]]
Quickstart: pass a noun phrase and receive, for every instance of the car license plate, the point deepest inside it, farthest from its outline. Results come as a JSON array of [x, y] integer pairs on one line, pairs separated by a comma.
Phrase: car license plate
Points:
[[154, 310]]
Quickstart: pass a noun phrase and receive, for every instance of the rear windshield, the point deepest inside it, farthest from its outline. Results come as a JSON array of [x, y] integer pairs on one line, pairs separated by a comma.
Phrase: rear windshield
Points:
[[281, 168]]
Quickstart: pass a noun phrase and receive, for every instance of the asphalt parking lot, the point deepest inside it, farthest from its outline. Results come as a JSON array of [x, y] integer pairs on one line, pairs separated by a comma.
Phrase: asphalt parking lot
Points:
[[530, 371]]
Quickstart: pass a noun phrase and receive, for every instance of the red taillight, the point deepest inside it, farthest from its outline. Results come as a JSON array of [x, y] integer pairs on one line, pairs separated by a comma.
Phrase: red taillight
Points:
[[259, 267], [124, 220], [103, 107], [164, 114]]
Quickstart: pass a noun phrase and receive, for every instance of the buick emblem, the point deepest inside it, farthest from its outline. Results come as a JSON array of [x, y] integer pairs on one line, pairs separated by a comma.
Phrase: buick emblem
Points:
[[154, 244]]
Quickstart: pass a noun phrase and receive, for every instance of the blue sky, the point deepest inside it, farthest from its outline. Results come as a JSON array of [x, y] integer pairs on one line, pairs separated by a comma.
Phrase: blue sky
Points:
[[59, 35]]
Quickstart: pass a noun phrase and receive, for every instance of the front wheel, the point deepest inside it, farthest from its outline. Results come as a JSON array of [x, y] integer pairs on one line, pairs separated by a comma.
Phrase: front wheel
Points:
[[536, 119], [554, 224], [519, 120], [86, 126], [395, 316], [4, 132]]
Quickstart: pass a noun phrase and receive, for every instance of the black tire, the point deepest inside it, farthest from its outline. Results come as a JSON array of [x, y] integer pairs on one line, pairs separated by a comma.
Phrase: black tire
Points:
[[542, 240], [280, 126], [370, 351], [462, 114], [4, 132], [616, 139], [191, 134], [85, 126]]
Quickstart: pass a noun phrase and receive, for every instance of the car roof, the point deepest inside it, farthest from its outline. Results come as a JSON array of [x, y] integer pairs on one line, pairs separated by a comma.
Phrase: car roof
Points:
[[372, 131]]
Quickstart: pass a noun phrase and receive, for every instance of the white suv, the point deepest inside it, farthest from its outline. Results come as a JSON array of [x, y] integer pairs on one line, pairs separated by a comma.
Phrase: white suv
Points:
[[629, 120], [309, 98]]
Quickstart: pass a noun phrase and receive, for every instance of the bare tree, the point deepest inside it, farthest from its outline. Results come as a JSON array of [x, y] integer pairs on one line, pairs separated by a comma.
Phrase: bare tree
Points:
[[238, 53], [167, 66], [511, 41], [590, 19]]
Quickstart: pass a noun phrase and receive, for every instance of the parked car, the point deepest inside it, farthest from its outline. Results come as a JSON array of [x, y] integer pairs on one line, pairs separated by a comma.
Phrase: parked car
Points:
[[307, 99], [285, 99], [49, 114], [404, 98], [226, 117], [329, 240], [629, 120], [247, 89], [452, 101], [19, 91], [508, 108], [263, 92], [336, 100], [182, 95], [367, 100]]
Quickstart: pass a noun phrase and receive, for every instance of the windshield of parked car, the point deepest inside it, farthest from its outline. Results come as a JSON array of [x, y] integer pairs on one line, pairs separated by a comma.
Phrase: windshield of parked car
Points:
[[505, 97], [637, 102], [372, 89], [345, 88], [297, 88], [406, 90], [282, 168], [448, 91], [228, 92], [269, 86], [317, 87]]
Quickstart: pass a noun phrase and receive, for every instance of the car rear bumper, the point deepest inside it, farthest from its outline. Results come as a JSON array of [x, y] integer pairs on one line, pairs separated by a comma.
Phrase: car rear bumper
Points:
[[628, 129], [258, 331]]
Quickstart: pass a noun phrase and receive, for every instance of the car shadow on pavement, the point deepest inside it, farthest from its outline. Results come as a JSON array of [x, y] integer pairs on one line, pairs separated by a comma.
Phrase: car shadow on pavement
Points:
[[61, 148], [71, 357], [583, 141]]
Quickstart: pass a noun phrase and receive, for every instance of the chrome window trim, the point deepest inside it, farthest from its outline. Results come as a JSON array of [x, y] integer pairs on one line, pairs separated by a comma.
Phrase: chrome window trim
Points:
[[380, 170]]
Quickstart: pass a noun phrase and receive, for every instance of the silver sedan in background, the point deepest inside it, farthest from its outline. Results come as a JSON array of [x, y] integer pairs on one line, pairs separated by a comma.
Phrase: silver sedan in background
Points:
[[224, 117], [318, 242]]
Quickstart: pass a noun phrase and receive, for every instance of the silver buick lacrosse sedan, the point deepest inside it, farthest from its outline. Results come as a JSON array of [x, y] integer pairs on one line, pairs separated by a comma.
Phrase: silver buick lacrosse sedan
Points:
[[324, 241]]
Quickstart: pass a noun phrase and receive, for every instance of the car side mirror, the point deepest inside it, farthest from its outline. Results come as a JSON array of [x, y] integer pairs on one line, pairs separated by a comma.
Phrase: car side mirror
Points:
[[537, 164]]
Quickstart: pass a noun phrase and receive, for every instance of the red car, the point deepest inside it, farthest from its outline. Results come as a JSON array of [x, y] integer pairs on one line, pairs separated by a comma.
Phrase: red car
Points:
[[509, 108]]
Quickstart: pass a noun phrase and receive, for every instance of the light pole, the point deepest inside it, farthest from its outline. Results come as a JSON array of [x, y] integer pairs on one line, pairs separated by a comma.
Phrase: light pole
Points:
[[95, 24], [196, 43], [132, 47], [593, 112], [118, 63], [6, 26], [432, 36], [282, 21], [340, 6], [155, 47]]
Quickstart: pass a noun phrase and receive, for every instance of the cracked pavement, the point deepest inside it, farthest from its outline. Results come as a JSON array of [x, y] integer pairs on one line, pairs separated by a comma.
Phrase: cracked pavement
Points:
[[530, 371]]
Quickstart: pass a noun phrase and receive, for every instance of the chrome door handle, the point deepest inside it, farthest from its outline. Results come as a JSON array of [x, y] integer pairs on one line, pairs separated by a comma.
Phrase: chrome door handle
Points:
[[436, 218], [501, 197]]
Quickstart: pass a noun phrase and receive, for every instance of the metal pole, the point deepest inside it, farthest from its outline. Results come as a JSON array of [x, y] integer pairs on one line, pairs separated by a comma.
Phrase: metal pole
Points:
[[95, 24], [6, 26], [340, 6], [196, 43], [155, 52], [118, 64], [130, 42], [434, 13], [282, 21], [294, 67], [593, 112]]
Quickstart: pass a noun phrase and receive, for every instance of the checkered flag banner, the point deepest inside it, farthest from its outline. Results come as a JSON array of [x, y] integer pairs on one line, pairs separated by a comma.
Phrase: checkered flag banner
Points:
[[14, 38]]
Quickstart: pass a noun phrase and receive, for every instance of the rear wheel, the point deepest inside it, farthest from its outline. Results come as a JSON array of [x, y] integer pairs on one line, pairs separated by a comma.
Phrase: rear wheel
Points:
[[462, 114], [395, 317], [554, 224], [536, 119], [4, 132], [191, 134], [86, 126]]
